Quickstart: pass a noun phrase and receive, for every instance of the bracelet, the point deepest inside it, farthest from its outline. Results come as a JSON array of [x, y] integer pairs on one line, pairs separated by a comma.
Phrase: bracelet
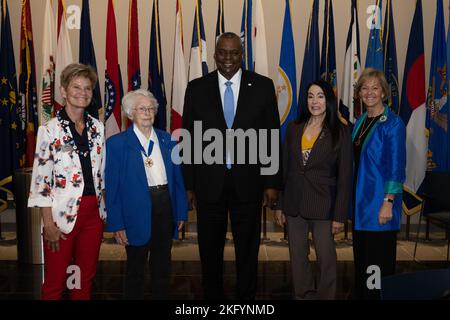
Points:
[[389, 200]]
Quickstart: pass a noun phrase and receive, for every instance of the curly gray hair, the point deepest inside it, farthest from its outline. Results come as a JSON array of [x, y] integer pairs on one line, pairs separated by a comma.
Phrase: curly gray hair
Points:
[[129, 100]]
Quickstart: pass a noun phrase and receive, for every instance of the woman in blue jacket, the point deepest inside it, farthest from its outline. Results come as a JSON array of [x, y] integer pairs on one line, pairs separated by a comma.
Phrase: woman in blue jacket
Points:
[[379, 172], [145, 196]]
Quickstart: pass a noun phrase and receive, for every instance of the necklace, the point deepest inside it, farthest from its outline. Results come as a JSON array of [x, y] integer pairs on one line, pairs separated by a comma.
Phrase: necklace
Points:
[[364, 130], [68, 139]]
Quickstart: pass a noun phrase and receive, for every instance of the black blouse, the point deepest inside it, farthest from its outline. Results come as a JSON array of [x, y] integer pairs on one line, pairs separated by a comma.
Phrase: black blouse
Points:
[[82, 143]]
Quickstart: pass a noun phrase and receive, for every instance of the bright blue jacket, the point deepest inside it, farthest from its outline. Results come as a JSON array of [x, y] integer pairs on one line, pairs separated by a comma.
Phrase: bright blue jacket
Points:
[[128, 203], [381, 171]]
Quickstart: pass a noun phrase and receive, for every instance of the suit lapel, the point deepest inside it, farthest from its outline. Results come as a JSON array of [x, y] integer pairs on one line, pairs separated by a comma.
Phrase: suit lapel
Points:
[[298, 144], [216, 101], [244, 94], [318, 149]]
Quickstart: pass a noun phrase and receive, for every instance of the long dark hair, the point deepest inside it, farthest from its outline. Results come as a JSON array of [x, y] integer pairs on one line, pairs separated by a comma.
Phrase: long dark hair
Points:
[[331, 121]]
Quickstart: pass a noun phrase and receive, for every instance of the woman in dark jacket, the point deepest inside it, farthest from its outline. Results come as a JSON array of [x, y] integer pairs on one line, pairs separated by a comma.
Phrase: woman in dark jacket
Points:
[[317, 168]]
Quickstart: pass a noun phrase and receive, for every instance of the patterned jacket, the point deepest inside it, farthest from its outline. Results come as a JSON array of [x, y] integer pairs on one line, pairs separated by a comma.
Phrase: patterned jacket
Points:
[[57, 179]]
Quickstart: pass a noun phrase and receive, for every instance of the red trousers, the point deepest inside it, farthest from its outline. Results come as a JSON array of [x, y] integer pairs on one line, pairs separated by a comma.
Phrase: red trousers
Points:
[[81, 248]]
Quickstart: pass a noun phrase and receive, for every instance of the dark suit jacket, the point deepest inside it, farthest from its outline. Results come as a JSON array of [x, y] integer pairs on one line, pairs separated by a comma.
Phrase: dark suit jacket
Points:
[[256, 109], [321, 189]]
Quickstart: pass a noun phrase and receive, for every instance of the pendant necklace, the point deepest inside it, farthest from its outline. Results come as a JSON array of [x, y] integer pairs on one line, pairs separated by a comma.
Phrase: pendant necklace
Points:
[[363, 130]]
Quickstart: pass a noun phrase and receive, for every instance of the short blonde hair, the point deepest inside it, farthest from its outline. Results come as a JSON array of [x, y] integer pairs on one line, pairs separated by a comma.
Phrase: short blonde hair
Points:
[[370, 73], [129, 100], [75, 70]]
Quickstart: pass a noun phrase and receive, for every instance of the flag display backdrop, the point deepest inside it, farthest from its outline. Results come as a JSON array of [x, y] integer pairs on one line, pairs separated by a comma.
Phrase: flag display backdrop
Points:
[[209, 17]]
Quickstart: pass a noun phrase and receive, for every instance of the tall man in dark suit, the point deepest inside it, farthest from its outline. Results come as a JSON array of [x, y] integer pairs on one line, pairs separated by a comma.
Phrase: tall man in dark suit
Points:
[[228, 99]]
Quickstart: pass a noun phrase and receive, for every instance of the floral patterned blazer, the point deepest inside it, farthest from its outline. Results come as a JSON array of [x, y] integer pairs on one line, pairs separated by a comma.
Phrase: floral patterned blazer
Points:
[[57, 179]]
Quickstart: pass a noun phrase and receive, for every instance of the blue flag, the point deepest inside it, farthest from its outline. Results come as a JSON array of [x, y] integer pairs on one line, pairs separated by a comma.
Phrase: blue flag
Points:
[[448, 120], [246, 36], [156, 73], [287, 81], [374, 56], [437, 104], [390, 57], [311, 58], [448, 41], [10, 132], [328, 59], [87, 56]]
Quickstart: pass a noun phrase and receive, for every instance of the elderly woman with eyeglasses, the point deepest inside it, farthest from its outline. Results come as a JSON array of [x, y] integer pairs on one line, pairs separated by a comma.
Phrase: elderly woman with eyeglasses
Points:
[[145, 196]]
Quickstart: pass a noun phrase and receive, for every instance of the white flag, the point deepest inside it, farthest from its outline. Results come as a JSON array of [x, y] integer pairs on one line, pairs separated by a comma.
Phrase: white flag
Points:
[[259, 41], [179, 80], [48, 66], [352, 69], [63, 56]]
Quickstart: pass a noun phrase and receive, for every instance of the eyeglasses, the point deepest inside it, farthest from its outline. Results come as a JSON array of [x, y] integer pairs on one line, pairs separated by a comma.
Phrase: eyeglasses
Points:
[[145, 109]]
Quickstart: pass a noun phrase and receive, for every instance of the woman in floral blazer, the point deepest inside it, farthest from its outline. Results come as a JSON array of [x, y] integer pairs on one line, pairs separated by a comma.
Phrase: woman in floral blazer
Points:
[[67, 184]]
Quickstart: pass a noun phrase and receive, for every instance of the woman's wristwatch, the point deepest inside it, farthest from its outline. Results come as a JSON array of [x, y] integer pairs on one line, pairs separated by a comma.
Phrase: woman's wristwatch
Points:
[[388, 200]]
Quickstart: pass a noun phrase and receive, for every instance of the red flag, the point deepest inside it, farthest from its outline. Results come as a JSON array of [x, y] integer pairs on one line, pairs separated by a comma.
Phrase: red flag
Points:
[[134, 68], [112, 88]]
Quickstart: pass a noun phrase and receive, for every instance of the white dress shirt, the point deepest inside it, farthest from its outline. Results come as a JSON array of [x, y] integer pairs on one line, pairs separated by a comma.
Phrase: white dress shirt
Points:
[[156, 174], [236, 80]]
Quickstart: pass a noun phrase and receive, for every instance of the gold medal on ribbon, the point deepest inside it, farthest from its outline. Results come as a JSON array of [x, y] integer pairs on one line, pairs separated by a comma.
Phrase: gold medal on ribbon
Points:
[[148, 162]]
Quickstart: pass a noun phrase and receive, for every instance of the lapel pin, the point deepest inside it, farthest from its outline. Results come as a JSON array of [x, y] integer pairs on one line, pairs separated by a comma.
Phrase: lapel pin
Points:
[[383, 118]]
